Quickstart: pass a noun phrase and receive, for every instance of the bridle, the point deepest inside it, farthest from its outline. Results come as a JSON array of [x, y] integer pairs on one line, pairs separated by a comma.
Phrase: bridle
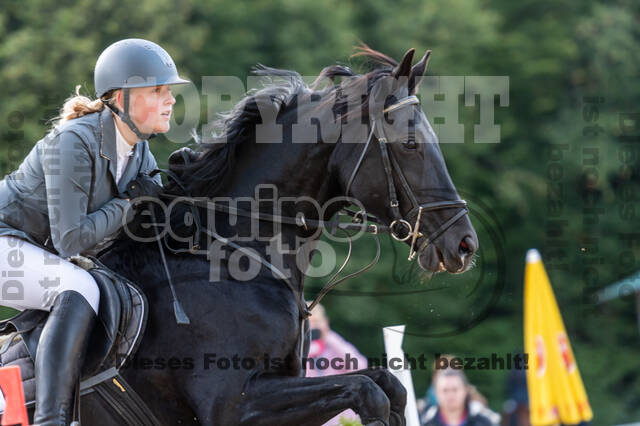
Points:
[[358, 223], [390, 165]]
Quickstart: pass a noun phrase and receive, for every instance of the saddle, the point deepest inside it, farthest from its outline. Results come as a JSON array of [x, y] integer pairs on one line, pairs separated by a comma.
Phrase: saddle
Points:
[[122, 318]]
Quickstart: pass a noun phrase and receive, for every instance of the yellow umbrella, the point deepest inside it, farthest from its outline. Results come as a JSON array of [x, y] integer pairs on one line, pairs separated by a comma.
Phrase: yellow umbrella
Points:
[[556, 392]]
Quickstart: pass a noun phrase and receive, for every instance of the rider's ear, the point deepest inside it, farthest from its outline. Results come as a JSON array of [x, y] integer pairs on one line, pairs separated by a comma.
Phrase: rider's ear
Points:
[[117, 98], [417, 72]]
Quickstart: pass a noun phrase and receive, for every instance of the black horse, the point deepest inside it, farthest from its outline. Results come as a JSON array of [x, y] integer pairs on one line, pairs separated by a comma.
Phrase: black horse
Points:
[[255, 326]]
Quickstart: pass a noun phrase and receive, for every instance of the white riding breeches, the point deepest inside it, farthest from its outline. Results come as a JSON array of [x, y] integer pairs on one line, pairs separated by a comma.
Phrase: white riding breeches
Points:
[[32, 277]]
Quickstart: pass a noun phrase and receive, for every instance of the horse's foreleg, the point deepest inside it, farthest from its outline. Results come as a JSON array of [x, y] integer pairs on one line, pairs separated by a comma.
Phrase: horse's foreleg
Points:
[[392, 387], [278, 400]]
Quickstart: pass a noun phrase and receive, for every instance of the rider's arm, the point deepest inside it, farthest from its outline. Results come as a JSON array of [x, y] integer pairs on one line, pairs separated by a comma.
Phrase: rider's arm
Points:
[[67, 165]]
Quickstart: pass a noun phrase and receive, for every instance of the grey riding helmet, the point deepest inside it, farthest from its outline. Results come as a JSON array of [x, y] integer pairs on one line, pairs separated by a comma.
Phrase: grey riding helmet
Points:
[[130, 63]]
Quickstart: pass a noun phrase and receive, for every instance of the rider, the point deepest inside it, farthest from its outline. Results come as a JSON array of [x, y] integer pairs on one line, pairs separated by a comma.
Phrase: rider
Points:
[[69, 195]]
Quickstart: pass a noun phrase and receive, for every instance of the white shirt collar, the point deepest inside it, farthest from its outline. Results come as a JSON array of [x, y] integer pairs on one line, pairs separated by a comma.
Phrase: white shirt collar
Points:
[[124, 148]]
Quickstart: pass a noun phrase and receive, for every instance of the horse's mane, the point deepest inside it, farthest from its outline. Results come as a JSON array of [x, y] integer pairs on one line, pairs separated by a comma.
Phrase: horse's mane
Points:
[[207, 175]]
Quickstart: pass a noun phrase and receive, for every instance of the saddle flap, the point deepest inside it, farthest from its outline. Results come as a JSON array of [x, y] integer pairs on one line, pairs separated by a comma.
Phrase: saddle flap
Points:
[[105, 332], [132, 322]]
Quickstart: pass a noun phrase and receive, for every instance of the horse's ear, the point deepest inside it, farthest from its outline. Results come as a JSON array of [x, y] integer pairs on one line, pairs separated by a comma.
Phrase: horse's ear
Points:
[[418, 71], [404, 67]]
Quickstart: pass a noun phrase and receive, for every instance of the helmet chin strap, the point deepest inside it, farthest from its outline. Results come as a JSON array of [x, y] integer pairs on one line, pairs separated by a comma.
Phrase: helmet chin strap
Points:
[[124, 116]]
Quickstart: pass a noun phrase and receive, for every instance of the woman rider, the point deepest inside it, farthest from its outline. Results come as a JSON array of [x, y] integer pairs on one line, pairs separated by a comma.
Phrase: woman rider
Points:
[[72, 192]]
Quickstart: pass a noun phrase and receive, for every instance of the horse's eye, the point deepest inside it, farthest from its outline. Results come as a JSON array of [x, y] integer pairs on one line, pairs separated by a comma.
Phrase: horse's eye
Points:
[[411, 144]]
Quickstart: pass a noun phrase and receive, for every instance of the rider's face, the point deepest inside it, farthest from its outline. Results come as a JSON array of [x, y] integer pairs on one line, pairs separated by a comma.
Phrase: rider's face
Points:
[[150, 107]]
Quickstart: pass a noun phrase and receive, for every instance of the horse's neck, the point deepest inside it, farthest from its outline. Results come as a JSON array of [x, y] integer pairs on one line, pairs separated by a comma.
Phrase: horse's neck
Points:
[[292, 170], [289, 160]]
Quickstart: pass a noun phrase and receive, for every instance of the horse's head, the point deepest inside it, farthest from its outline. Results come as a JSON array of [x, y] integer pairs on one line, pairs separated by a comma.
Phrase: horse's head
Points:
[[400, 174]]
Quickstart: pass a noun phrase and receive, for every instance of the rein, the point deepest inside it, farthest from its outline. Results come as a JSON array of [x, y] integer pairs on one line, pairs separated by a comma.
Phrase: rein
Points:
[[299, 220]]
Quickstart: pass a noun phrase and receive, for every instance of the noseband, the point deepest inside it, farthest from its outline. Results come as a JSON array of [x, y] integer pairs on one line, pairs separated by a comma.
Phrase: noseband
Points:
[[390, 164]]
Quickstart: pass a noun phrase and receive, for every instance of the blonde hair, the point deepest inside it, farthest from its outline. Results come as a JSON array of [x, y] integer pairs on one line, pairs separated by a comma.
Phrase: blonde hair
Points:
[[78, 105]]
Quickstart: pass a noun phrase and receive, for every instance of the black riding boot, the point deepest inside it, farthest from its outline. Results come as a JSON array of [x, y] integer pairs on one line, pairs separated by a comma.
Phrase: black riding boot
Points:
[[59, 357]]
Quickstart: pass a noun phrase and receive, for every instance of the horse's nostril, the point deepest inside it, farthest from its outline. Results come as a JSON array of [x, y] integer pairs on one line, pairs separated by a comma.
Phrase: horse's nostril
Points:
[[466, 246]]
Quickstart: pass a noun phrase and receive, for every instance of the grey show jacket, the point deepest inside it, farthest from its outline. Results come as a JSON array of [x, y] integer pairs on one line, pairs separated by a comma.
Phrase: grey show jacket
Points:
[[63, 195]]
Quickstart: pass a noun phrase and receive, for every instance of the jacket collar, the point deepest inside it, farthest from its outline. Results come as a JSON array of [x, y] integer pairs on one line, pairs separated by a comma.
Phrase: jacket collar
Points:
[[108, 150], [108, 137]]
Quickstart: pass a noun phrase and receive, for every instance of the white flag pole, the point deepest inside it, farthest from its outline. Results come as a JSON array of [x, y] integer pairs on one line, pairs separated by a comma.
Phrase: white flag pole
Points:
[[393, 345]]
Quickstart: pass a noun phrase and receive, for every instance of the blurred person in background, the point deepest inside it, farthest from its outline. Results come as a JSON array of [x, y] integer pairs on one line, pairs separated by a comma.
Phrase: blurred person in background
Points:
[[454, 404], [430, 399], [327, 346]]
